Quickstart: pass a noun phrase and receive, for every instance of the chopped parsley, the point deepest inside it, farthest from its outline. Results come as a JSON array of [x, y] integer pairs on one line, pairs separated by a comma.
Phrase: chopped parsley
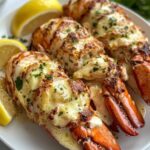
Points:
[[95, 69], [44, 64], [60, 114], [75, 40], [105, 27], [19, 83], [68, 30], [61, 88], [49, 77], [125, 35], [95, 33], [112, 21], [112, 38], [41, 66], [29, 102], [37, 75], [76, 98], [97, 12], [126, 27], [95, 24], [55, 90]]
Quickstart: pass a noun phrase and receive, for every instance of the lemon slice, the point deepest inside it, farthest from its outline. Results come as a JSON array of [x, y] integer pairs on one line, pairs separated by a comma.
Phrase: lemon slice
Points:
[[9, 48], [5, 118], [7, 109], [33, 14]]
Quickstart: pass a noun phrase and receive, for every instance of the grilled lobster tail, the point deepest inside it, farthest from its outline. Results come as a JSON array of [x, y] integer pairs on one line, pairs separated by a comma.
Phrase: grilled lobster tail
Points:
[[82, 56], [41, 87], [122, 39]]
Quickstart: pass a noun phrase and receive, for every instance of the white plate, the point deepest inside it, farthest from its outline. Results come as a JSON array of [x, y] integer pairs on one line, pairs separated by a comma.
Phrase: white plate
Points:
[[24, 135]]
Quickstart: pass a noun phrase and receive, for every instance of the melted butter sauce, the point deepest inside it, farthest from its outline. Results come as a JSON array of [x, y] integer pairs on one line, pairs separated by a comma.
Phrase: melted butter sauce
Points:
[[96, 95]]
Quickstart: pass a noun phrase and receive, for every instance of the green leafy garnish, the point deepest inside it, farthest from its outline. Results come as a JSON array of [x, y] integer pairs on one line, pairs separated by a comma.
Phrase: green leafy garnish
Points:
[[95, 69], [94, 24], [60, 114], [41, 67], [112, 21], [49, 77], [19, 83]]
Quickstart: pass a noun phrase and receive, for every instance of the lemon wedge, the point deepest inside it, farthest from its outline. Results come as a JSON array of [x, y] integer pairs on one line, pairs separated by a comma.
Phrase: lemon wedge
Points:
[[33, 14], [5, 118], [7, 109], [8, 48]]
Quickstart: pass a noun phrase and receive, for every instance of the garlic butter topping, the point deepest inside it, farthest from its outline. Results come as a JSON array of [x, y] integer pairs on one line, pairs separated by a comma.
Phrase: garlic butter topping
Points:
[[74, 47], [107, 22], [46, 93]]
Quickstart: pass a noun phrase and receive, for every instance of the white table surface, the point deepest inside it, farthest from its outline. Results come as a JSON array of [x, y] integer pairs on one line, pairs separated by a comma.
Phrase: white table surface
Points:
[[5, 8]]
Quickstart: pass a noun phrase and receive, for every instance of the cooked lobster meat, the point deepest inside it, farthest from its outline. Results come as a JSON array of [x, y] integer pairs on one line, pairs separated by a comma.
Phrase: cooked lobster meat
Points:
[[82, 56], [122, 39], [48, 96]]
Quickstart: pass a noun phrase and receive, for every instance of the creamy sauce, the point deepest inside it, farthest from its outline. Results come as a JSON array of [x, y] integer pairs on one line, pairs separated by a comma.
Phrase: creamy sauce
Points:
[[96, 95], [64, 137], [55, 99], [95, 68], [105, 22], [123, 41]]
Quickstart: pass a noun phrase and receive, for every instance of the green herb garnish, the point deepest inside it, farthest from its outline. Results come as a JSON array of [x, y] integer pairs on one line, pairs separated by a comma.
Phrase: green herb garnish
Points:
[[19, 83], [97, 12], [41, 66], [95, 24], [49, 77], [95, 33], [95, 69], [68, 30], [29, 102], [112, 21], [126, 27], [55, 90], [75, 40], [60, 114], [37, 75], [105, 27]]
